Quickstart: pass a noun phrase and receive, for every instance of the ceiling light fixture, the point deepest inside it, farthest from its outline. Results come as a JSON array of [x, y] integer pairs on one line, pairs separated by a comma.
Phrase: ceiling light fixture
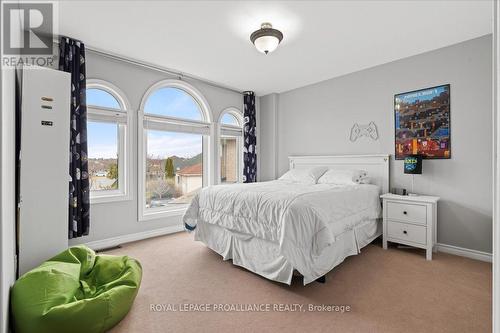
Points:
[[266, 39]]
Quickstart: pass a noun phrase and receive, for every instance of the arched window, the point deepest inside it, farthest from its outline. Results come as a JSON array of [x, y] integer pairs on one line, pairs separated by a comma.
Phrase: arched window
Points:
[[174, 131], [230, 146], [107, 121]]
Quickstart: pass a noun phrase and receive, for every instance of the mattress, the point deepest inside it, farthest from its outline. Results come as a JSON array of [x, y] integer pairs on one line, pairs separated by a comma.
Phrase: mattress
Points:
[[264, 257], [301, 219]]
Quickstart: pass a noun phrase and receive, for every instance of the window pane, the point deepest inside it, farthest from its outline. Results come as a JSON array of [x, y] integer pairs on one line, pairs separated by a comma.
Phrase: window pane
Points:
[[229, 160], [173, 102], [103, 155], [99, 97], [174, 168], [229, 119]]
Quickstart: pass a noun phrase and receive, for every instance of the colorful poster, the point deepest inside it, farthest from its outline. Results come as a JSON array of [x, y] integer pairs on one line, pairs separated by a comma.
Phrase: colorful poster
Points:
[[422, 121]]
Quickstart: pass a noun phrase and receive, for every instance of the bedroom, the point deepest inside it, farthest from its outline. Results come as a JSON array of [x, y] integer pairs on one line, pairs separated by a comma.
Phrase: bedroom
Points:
[[248, 163]]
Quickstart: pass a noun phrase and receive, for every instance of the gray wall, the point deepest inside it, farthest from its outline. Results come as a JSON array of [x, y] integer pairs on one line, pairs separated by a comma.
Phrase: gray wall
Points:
[[316, 119], [7, 189], [120, 218], [267, 125], [7, 192]]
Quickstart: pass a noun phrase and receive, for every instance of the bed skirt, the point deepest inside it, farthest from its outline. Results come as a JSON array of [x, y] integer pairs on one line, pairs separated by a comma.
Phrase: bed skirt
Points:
[[263, 257]]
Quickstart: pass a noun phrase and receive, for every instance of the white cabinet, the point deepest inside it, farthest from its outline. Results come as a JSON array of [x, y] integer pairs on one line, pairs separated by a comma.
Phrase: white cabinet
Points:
[[410, 220], [44, 165]]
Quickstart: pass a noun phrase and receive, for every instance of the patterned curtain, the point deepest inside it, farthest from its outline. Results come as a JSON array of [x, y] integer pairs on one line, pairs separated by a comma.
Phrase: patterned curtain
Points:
[[250, 139], [72, 60]]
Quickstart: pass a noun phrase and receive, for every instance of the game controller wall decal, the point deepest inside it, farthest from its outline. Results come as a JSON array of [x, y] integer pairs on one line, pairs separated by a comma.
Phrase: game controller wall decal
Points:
[[369, 131]]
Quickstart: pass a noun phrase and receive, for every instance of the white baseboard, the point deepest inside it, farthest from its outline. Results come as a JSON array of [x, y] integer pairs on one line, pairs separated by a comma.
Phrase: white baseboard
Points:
[[463, 252], [115, 241]]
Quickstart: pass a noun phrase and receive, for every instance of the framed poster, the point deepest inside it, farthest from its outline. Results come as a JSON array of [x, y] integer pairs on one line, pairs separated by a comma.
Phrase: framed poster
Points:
[[422, 123]]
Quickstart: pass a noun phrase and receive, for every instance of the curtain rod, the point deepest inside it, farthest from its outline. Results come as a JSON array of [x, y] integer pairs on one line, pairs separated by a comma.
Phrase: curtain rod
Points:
[[148, 65]]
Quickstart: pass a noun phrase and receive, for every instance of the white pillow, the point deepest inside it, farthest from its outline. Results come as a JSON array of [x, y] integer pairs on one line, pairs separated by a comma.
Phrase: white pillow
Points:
[[344, 177], [304, 176]]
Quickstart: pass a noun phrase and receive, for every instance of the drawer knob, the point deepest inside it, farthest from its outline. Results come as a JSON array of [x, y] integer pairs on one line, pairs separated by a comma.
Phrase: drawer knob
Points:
[[405, 232], [405, 212]]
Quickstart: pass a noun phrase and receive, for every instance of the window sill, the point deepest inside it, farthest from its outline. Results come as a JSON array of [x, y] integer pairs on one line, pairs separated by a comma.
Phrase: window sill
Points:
[[152, 214], [109, 197]]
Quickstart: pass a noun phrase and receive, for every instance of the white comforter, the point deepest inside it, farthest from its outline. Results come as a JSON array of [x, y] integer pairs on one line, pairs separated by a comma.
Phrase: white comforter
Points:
[[302, 219]]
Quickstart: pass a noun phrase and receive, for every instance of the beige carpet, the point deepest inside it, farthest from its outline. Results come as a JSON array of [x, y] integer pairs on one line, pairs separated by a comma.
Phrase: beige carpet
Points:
[[388, 291]]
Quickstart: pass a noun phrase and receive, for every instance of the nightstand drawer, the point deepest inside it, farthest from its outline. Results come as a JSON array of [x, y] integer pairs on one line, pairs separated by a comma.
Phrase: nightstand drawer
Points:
[[408, 232], [407, 212]]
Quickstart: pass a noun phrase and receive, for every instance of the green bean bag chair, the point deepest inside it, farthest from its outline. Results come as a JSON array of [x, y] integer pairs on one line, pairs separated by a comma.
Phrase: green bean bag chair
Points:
[[76, 291]]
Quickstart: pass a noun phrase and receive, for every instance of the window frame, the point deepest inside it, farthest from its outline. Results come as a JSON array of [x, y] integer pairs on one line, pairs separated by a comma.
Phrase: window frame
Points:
[[122, 118], [171, 124], [231, 131]]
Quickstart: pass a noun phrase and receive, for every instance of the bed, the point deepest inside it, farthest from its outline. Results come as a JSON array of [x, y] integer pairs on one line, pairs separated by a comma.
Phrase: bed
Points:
[[275, 228]]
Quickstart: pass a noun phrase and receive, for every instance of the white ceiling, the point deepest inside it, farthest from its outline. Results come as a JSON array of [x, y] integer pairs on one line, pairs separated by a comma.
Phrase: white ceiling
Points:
[[322, 39]]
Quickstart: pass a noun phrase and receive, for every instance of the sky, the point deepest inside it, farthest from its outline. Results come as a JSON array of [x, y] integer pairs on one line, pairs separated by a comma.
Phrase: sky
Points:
[[102, 140], [229, 119], [164, 144], [102, 137]]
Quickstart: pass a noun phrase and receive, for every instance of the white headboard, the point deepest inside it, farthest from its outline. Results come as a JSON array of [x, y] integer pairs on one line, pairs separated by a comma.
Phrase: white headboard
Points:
[[377, 166]]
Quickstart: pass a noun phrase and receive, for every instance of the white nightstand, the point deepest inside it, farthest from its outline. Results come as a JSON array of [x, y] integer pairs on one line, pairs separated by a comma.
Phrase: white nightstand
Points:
[[410, 220]]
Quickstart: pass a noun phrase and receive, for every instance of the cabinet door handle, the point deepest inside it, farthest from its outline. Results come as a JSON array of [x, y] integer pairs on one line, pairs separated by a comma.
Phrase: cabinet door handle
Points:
[[405, 212], [405, 232]]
